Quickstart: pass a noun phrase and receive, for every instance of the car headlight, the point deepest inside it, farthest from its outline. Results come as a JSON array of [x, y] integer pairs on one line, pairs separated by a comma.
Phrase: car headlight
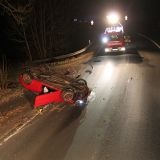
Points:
[[123, 49], [81, 103], [107, 49], [104, 39]]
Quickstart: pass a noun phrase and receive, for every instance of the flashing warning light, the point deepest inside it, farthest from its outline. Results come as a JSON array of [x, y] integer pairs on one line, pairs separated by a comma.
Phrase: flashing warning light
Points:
[[113, 18], [126, 18], [92, 22]]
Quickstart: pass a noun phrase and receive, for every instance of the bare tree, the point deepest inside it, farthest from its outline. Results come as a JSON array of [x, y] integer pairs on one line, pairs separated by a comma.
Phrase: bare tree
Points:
[[51, 27], [19, 13], [43, 26], [3, 73]]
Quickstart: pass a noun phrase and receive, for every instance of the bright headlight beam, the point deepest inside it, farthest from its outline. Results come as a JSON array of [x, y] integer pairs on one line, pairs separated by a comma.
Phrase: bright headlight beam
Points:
[[108, 72], [113, 18]]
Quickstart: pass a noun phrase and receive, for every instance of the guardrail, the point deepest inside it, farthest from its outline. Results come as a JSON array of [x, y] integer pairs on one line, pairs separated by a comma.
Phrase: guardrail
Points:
[[149, 39], [63, 56]]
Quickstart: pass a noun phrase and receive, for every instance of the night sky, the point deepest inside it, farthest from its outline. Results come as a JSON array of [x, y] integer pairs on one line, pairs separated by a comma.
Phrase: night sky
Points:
[[140, 12]]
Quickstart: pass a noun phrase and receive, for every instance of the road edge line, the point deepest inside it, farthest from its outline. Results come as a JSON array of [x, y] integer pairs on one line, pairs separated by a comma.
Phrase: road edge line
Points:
[[18, 130]]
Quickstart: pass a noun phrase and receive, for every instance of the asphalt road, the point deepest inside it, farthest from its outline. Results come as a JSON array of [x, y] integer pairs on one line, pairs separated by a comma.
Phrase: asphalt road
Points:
[[120, 122]]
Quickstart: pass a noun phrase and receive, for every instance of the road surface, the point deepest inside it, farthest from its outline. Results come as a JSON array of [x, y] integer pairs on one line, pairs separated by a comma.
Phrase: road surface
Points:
[[120, 122]]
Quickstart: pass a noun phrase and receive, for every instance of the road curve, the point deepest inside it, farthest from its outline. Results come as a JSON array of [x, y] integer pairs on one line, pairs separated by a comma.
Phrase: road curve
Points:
[[120, 122]]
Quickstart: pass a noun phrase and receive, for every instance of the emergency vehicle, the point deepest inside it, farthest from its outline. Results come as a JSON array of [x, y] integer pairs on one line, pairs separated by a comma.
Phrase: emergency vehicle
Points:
[[113, 39]]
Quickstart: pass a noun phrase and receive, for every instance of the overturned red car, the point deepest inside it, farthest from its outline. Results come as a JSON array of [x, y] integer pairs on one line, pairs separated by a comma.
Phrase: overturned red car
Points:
[[47, 92]]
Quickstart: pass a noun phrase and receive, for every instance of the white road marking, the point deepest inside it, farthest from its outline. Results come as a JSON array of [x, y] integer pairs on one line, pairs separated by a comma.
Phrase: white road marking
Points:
[[155, 43], [18, 130]]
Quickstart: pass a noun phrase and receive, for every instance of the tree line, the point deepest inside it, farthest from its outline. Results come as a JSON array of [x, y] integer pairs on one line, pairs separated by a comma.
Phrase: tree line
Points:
[[39, 28]]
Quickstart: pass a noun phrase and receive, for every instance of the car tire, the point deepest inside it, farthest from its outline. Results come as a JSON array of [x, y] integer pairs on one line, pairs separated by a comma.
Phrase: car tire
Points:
[[80, 82], [67, 96], [27, 78]]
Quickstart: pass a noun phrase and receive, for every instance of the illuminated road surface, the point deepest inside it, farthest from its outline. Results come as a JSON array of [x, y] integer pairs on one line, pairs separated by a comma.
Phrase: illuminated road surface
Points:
[[121, 121]]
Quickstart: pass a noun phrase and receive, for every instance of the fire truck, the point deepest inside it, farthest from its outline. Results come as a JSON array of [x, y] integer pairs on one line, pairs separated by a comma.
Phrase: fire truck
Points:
[[113, 39]]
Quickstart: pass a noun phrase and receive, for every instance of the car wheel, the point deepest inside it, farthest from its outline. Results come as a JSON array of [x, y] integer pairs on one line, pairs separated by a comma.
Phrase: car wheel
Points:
[[68, 96], [27, 78], [81, 82]]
